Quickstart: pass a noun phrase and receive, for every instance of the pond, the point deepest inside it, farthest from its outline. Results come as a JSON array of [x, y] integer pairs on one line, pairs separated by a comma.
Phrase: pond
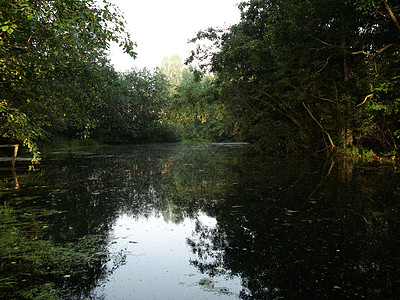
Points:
[[198, 221]]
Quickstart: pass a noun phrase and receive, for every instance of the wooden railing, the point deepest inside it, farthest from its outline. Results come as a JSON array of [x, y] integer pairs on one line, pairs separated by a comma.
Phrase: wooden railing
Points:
[[14, 158]]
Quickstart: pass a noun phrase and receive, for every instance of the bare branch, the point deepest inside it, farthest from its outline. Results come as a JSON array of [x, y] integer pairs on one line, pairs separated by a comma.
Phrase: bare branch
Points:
[[381, 14], [375, 54], [395, 77], [365, 99], [326, 99], [326, 63], [321, 41]]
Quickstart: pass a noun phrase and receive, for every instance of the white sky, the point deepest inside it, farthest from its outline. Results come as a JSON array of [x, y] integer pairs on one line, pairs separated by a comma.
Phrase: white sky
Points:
[[163, 27]]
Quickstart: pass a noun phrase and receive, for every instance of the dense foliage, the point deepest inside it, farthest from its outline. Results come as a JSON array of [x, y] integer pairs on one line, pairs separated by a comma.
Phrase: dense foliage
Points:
[[52, 55], [193, 109], [132, 109], [309, 75]]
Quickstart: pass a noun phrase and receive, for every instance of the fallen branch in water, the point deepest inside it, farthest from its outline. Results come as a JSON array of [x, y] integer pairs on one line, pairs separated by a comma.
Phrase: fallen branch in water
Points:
[[365, 219]]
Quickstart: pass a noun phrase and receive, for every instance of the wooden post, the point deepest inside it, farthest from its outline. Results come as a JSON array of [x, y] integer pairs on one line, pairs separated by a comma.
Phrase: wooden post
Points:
[[16, 184]]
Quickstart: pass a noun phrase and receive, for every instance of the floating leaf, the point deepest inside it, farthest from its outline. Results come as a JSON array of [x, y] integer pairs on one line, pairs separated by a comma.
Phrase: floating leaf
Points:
[[337, 287]]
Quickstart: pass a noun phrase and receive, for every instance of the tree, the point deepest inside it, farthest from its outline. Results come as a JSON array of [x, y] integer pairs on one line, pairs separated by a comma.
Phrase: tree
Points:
[[192, 109], [172, 67], [46, 49], [310, 75], [133, 108]]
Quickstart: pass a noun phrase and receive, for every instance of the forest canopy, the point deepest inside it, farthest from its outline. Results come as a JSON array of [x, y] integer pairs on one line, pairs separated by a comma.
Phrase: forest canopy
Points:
[[291, 77]]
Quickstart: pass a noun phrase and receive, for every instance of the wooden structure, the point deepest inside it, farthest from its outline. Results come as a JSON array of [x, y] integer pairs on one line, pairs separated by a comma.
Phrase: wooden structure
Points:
[[14, 158]]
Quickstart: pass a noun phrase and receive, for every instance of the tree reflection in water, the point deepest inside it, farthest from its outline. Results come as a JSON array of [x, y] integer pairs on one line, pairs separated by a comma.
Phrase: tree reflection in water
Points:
[[288, 228], [284, 243]]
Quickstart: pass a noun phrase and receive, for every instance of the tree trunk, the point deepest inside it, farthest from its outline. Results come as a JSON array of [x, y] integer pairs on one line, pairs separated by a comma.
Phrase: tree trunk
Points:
[[392, 15], [347, 132]]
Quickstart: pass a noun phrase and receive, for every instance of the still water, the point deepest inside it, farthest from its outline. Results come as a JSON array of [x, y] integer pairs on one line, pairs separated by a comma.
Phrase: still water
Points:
[[198, 221]]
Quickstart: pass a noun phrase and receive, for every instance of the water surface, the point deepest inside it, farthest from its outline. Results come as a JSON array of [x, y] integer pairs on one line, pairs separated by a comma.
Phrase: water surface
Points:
[[200, 221]]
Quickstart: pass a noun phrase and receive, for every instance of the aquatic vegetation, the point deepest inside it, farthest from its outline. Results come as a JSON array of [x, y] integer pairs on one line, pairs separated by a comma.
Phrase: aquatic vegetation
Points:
[[42, 269]]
